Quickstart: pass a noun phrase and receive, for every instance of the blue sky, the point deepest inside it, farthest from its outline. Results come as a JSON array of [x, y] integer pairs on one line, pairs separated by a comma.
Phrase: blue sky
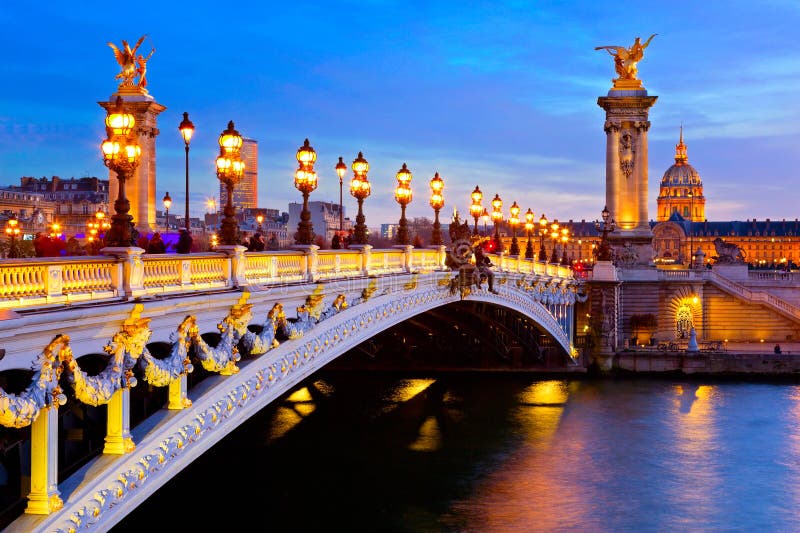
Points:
[[500, 95]]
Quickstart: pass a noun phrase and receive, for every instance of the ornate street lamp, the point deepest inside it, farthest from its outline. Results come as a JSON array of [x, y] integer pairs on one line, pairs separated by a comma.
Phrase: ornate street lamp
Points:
[[167, 203], [230, 168], [485, 217], [603, 251], [305, 180], [360, 189], [555, 235], [341, 168], [121, 155], [402, 194], [542, 232], [259, 219], [475, 209], [437, 202], [497, 217], [12, 230], [564, 241], [528, 229], [513, 221], [187, 130]]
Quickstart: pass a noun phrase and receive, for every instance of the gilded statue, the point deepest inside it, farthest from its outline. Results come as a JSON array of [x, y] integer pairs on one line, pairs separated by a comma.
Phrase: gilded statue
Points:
[[625, 59], [131, 64]]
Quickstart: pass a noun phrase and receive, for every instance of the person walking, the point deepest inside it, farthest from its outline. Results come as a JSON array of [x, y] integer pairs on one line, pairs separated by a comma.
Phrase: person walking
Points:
[[156, 245]]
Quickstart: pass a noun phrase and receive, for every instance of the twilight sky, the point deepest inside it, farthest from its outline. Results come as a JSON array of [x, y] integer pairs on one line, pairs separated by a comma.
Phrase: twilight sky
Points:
[[496, 94]]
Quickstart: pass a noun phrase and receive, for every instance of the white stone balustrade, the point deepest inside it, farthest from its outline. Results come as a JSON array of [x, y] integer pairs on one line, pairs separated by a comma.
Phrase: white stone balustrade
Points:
[[128, 273]]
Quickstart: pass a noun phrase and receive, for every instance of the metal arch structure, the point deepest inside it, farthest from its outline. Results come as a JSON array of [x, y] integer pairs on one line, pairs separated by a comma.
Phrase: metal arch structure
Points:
[[120, 483]]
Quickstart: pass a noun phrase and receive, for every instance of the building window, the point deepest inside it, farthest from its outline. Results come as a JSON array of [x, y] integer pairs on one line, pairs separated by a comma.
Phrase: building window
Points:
[[685, 211]]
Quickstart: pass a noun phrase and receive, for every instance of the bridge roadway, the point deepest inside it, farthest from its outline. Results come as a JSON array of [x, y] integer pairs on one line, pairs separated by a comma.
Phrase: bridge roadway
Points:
[[125, 302]]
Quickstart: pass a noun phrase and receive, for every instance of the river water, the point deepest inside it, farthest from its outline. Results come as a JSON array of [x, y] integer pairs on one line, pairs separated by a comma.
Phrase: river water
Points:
[[499, 452]]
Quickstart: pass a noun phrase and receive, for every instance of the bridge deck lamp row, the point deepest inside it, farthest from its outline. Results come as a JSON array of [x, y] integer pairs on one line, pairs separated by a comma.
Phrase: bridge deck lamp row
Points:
[[305, 181], [230, 169], [403, 195], [360, 188], [513, 221], [121, 154], [497, 217], [475, 208], [437, 202]]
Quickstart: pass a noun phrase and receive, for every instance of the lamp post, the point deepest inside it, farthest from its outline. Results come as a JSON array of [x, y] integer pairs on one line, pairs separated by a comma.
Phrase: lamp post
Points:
[[564, 241], [604, 250], [528, 229], [341, 168], [230, 168], [121, 155], [497, 217], [485, 217], [542, 232], [475, 209], [360, 189], [167, 203], [259, 219], [402, 193], [437, 202], [305, 180], [187, 130], [554, 234], [513, 221], [12, 230]]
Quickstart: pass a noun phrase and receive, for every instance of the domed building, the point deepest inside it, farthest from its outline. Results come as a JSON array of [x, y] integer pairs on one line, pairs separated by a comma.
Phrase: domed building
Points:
[[681, 189], [682, 231]]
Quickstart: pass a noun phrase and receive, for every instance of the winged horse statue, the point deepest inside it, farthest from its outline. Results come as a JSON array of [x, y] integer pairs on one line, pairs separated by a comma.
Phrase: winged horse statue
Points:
[[131, 65]]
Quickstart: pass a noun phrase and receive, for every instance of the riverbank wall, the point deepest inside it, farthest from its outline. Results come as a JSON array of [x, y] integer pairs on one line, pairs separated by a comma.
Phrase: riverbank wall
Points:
[[710, 363]]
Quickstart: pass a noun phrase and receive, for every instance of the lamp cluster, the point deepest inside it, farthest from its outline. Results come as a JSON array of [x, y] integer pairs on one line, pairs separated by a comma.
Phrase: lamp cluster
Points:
[[305, 181], [230, 169], [12, 231], [402, 193], [121, 154]]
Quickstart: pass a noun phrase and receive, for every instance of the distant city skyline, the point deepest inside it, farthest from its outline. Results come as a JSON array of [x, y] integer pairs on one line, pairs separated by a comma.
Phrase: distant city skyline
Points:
[[500, 96]]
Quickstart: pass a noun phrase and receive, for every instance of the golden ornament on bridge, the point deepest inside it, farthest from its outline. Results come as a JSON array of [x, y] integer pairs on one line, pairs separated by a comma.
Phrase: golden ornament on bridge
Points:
[[132, 66], [626, 60]]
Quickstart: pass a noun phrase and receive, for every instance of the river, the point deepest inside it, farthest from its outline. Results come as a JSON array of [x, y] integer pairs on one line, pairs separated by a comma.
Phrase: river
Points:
[[499, 452]]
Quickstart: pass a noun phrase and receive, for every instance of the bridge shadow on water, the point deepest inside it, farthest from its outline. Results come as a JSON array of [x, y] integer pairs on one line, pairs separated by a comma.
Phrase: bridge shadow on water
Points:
[[319, 459]]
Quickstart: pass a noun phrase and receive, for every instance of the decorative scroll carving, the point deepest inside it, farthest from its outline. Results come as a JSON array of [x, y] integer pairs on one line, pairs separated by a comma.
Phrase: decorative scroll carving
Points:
[[627, 152]]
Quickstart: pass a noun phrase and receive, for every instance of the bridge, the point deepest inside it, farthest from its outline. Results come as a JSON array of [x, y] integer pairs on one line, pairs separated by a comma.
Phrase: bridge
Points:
[[84, 332]]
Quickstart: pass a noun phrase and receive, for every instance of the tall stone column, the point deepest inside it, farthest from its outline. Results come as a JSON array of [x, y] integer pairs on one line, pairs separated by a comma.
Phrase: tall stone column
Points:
[[626, 124], [612, 163], [141, 189]]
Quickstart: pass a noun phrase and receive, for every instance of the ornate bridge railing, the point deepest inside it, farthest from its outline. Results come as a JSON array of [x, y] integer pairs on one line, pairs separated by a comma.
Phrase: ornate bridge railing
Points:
[[26, 283]]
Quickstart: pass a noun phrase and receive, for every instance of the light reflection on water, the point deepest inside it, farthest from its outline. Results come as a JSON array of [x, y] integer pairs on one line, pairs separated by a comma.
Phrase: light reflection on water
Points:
[[508, 453]]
